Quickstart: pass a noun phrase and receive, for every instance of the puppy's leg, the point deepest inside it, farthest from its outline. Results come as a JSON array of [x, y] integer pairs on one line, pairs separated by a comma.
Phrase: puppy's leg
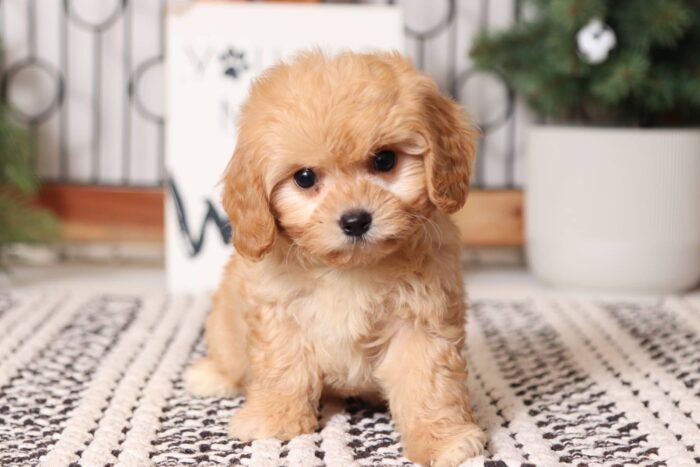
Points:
[[222, 372], [283, 394], [424, 377]]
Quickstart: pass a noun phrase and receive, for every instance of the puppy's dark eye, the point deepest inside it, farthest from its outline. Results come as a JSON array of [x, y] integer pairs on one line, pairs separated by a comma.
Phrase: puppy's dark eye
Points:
[[384, 161], [305, 178]]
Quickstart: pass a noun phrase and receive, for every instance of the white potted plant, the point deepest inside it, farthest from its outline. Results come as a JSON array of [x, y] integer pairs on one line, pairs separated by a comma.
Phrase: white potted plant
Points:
[[613, 179]]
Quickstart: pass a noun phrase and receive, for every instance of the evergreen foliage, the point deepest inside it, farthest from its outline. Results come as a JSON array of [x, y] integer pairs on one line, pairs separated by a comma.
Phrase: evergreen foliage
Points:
[[20, 220], [651, 77]]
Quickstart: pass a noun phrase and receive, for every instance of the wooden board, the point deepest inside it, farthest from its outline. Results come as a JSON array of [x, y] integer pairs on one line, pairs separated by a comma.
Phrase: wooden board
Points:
[[97, 213], [492, 218]]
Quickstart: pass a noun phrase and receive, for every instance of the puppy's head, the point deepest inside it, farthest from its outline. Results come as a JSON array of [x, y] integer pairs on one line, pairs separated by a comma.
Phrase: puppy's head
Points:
[[346, 156]]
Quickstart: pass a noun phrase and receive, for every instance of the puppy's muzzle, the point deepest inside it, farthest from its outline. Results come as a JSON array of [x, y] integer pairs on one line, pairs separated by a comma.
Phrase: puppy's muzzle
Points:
[[355, 223]]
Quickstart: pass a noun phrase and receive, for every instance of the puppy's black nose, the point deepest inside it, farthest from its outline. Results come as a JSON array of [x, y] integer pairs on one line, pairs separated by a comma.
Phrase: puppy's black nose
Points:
[[355, 223]]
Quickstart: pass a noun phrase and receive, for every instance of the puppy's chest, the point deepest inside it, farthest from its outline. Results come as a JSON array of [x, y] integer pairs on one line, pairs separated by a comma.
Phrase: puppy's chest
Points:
[[340, 320]]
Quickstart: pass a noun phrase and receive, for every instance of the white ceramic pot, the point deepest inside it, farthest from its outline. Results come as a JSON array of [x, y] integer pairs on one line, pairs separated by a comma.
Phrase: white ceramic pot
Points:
[[614, 208]]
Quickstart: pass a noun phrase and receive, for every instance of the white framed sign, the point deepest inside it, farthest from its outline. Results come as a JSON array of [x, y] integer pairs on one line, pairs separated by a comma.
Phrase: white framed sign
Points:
[[214, 51]]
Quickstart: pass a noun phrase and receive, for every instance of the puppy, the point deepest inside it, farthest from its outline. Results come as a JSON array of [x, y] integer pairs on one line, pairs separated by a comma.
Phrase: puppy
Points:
[[346, 279]]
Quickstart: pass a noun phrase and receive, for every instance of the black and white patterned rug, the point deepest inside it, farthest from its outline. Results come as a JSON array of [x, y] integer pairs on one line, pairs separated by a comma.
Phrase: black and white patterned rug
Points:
[[96, 380]]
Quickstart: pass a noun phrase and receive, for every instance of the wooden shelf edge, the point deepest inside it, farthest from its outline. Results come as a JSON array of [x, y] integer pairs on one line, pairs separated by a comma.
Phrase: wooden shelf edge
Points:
[[108, 214], [492, 218]]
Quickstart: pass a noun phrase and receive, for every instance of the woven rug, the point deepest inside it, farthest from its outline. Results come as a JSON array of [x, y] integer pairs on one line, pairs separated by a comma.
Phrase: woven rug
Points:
[[96, 380]]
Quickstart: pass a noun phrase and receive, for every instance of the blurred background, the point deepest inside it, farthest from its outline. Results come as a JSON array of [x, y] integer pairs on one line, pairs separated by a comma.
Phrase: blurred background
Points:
[[84, 135]]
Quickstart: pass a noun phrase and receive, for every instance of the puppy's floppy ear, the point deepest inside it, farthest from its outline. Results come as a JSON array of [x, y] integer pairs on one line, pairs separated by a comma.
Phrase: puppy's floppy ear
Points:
[[451, 153], [247, 205]]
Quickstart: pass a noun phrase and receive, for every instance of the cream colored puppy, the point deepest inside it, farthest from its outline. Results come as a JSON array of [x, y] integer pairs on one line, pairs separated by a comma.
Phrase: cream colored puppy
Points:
[[347, 278]]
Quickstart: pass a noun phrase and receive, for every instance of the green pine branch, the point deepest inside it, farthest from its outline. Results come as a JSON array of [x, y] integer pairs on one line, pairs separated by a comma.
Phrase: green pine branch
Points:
[[20, 220], [651, 77]]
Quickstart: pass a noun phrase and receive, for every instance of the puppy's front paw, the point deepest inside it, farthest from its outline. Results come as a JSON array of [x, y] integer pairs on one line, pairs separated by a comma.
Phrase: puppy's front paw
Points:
[[469, 442], [205, 379], [251, 423], [441, 446]]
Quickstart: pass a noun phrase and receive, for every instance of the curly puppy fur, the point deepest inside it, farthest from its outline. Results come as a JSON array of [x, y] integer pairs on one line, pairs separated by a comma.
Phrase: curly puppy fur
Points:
[[303, 309]]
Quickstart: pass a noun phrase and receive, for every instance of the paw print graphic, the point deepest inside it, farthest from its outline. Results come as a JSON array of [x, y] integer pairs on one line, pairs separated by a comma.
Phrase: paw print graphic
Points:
[[234, 62]]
